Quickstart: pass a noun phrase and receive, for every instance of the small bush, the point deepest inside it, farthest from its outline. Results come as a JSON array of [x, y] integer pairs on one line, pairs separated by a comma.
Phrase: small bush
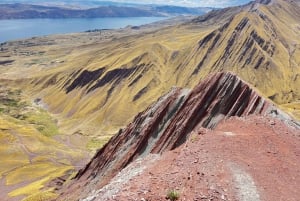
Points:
[[173, 195], [10, 102], [95, 143]]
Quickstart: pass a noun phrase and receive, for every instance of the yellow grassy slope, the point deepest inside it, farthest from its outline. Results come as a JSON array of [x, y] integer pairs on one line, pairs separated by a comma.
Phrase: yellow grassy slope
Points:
[[29, 155], [102, 114], [164, 58]]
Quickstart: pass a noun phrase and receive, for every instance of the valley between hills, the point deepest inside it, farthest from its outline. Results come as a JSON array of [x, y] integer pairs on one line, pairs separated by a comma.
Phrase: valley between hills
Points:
[[153, 93]]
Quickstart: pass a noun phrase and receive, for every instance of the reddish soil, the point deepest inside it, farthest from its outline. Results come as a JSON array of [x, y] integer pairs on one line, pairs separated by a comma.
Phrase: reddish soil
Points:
[[249, 158]]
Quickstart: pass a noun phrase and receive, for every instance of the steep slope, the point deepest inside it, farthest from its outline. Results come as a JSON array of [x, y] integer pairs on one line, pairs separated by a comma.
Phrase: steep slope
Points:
[[102, 80], [243, 158], [255, 44], [167, 124]]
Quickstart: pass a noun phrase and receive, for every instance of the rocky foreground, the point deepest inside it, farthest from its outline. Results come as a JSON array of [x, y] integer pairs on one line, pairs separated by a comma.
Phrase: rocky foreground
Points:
[[250, 158], [252, 151]]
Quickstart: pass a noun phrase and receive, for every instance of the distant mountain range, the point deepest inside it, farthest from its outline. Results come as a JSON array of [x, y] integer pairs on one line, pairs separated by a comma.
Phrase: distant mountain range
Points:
[[28, 11], [83, 3]]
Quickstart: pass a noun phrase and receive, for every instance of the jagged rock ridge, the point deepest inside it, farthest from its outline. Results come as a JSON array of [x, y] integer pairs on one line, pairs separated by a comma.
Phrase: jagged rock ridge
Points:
[[166, 124]]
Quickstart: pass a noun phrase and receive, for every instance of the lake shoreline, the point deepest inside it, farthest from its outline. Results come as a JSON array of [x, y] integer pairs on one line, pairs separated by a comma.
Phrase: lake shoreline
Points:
[[23, 29]]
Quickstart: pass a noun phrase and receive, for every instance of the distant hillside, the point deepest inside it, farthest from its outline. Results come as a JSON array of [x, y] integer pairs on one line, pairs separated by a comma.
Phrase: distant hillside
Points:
[[181, 10], [25, 11]]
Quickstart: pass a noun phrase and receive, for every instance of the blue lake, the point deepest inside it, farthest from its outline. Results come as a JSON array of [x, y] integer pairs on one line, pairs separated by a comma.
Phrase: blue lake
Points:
[[26, 28]]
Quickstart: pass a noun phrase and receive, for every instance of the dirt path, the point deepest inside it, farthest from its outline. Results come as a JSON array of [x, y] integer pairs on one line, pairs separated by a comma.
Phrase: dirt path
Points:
[[244, 184], [247, 159]]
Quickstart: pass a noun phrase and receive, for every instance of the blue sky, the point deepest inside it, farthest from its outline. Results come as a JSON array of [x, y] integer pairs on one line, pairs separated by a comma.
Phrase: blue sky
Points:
[[192, 3], [189, 3]]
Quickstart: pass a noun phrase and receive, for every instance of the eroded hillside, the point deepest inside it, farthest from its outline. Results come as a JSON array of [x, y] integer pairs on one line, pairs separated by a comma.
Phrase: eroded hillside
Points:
[[92, 84], [107, 79], [167, 125]]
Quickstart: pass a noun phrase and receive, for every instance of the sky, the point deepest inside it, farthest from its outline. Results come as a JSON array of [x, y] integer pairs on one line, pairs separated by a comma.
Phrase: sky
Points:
[[188, 3]]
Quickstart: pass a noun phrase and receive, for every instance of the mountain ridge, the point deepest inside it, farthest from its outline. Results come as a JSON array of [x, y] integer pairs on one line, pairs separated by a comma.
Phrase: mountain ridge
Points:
[[27, 11], [237, 42], [167, 124]]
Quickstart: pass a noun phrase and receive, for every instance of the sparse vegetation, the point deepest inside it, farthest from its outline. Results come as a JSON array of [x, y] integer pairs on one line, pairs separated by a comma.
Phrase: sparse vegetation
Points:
[[95, 143], [194, 137], [30, 127], [43, 122], [13, 104], [34, 189], [173, 195], [42, 196]]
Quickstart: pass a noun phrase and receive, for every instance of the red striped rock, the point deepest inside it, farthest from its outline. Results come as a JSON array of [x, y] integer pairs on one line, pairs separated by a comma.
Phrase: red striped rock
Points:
[[167, 124]]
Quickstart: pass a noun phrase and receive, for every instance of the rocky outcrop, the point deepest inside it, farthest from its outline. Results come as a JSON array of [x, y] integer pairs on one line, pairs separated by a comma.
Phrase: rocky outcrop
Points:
[[6, 62], [243, 158], [167, 123]]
